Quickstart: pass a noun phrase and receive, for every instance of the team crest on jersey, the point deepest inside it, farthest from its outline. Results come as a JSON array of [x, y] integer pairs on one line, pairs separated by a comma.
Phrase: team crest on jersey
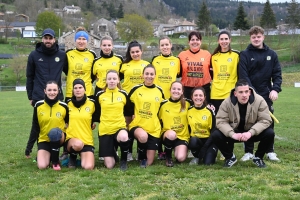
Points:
[[56, 59], [204, 117], [268, 57], [201, 59], [143, 65], [87, 109], [86, 60], [114, 64], [119, 99], [229, 59], [172, 63], [58, 114], [157, 99]]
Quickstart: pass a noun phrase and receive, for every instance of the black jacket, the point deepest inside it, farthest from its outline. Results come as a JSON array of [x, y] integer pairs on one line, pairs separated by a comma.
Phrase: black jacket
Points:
[[262, 70], [44, 64]]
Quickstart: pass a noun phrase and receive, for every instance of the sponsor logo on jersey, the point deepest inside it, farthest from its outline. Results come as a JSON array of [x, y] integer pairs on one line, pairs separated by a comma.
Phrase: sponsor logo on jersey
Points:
[[229, 60], [204, 117], [86, 60], [172, 63], [114, 64], [119, 99]]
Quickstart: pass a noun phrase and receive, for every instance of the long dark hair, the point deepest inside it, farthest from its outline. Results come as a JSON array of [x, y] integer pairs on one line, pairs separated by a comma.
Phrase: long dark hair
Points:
[[182, 99], [202, 89], [218, 49], [134, 43]]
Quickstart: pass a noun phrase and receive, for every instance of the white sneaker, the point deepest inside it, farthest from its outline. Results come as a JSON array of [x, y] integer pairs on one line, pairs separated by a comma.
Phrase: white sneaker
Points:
[[190, 155], [129, 157], [272, 156], [101, 159], [247, 156]]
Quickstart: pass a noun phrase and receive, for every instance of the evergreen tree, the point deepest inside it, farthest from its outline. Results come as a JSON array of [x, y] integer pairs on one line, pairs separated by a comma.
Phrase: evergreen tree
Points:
[[293, 16], [112, 11], [204, 18], [241, 21], [120, 12], [268, 19]]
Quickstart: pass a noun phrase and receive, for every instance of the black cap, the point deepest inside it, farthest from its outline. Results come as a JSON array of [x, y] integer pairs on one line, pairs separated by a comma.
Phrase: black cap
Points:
[[48, 31], [79, 81]]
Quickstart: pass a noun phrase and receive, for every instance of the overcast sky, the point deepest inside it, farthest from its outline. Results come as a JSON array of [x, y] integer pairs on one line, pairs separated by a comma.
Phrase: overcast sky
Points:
[[271, 1]]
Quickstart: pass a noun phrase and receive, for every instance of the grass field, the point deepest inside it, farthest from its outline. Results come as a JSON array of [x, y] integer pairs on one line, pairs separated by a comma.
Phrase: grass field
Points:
[[20, 178]]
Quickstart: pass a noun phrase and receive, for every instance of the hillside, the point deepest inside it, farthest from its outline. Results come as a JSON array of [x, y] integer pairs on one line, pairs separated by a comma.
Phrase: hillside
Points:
[[223, 12]]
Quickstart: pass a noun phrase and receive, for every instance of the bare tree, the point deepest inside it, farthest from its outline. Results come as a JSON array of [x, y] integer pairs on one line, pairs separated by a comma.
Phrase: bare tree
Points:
[[18, 65]]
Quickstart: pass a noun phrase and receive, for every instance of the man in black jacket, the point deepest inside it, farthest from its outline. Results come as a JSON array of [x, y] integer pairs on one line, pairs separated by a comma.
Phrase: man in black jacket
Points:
[[260, 67], [45, 63]]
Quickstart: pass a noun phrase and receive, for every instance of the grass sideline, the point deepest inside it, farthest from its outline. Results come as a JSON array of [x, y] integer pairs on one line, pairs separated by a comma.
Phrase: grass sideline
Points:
[[20, 178]]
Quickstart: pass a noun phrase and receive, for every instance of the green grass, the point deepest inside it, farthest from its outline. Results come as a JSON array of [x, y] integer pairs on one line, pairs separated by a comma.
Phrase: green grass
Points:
[[20, 178]]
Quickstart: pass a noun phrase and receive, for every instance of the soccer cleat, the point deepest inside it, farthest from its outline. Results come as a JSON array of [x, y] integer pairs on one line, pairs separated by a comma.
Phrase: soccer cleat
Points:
[[247, 156], [169, 162], [161, 156], [190, 155], [63, 156], [101, 159], [123, 165], [272, 156], [231, 161], [259, 162], [129, 157], [56, 167], [194, 161], [72, 162], [143, 163]]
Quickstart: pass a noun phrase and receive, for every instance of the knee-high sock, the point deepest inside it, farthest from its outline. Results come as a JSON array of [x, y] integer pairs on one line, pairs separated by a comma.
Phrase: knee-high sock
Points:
[[124, 146], [54, 152], [142, 148], [169, 144]]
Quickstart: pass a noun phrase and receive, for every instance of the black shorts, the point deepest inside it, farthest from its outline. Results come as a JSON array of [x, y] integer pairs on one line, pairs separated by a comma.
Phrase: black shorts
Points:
[[86, 148], [152, 142], [107, 145], [46, 146], [178, 142]]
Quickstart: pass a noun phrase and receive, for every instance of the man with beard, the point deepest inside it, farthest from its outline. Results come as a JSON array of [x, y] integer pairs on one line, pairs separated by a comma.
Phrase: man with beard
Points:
[[45, 63]]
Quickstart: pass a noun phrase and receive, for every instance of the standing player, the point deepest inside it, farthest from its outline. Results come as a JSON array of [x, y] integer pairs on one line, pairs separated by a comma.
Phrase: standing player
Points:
[[112, 127], [167, 69], [45, 63], [132, 73], [224, 69], [195, 65], [108, 60], [260, 67], [144, 102], [80, 63], [173, 116]]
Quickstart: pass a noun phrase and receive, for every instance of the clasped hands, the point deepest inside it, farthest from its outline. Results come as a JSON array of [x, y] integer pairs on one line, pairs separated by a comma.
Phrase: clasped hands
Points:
[[243, 137]]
